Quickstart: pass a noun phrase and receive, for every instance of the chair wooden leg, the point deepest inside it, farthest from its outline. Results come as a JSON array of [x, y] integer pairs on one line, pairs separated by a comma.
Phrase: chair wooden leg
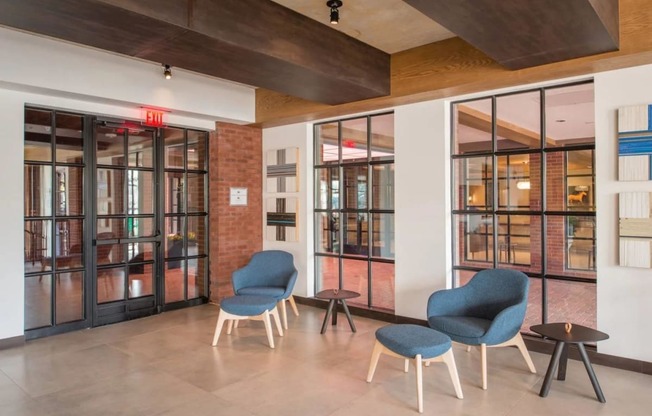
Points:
[[483, 360], [277, 320], [293, 304], [468, 348], [235, 324], [284, 313], [449, 360], [419, 366], [407, 365], [268, 328], [218, 327], [229, 326], [375, 356], [520, 344]]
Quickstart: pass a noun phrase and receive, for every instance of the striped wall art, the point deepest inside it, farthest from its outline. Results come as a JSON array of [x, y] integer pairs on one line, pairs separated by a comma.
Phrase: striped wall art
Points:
[[282, 219], [282, 168], [635, 143], [635, 229]]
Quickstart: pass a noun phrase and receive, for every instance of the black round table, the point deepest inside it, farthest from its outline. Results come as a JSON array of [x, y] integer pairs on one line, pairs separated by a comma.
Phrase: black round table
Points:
[[335, 296], [578, 335]]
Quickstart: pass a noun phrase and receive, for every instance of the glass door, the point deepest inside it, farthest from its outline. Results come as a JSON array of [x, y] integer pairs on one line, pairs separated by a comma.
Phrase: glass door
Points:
[[125, 234]]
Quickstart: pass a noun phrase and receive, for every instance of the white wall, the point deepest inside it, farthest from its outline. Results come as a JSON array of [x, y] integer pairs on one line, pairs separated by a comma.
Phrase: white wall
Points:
[[295, 135], [624, 294], [43, 72], [422, 219]]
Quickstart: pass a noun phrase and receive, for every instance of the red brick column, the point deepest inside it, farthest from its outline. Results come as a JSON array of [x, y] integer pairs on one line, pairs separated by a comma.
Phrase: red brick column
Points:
[[235, 157]]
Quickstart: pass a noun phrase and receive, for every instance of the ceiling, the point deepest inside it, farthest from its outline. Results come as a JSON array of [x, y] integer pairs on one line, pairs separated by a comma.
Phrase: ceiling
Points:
[[293, 50], [389, 25]]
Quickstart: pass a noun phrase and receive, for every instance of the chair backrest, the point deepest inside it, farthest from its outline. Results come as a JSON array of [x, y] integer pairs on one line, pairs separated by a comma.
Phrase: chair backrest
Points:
[[493, 290], [271, 267]]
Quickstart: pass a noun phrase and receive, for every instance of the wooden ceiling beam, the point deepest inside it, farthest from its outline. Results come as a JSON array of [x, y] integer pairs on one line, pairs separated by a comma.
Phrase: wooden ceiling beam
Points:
[[524, 33], [254, 42]]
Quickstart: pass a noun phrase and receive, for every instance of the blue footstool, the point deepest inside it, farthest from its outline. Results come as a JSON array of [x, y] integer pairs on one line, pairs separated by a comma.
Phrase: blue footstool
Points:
[[420, 343], [251, 307]]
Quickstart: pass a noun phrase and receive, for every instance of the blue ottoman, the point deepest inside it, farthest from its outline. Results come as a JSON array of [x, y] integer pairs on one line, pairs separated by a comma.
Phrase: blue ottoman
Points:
[[420, 343], [252, 307]]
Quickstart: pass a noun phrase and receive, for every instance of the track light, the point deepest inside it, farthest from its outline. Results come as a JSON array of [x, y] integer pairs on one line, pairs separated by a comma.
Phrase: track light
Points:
[[167, 72], [335, 13]]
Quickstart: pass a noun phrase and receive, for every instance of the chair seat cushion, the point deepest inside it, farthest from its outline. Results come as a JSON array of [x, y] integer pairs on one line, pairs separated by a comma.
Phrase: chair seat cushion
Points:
[[460, 328], [409, 340], [273, 291], [247, 305]]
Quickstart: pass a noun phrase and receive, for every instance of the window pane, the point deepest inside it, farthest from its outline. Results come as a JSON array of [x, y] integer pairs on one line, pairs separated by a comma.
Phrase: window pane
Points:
[[38, 301], [473, 184], [327, 273], [519, 242], [174, 193], [110, 146], [519, 178], [140, 227], [70, 297], [383, 235], [141, 148], [69, 184], [472, 127], [580, 181], [196, 192], [382, 137], [355, 187], [570, 117], [38, 246], [141, 277], [197, 150], [327, 188], [38, 191], [110, 191], [474, 238], [570, 246], [356, 234], [462, 277], [174, 231], [326, 144], [382, 285], [572, 302], [38, 135], [68, 241], [109, 228], [354, 140], [518, 121], [355, 276], [196, 278], [196, 236], [383, 186], [110, 284], [327, 236], [534, 312], [140, 192], [174, 148], [70, 145], [174, 281], [110, 254]]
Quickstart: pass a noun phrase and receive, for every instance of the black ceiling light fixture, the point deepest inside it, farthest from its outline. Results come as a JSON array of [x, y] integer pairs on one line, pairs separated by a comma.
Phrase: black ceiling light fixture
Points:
[[335, 12], [167, 72]]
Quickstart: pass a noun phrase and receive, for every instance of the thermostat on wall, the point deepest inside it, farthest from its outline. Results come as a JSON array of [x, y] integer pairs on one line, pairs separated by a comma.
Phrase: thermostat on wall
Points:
[[238, 196]]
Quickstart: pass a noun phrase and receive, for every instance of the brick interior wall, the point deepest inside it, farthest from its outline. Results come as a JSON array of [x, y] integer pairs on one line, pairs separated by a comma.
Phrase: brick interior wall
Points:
[[235, 155]]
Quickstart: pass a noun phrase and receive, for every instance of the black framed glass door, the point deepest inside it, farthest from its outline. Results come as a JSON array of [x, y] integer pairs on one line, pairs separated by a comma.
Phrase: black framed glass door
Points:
[[125, 231]]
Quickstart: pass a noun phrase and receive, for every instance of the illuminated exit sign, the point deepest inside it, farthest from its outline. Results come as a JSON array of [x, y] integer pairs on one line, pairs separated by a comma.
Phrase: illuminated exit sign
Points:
[[153, 117]]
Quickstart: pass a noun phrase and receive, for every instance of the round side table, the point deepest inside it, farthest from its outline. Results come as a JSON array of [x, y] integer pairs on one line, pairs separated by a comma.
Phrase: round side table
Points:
[[335, 296]]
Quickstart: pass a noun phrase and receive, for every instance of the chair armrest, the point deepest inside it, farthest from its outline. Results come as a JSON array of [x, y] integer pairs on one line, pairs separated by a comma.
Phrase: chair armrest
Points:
[[290, 286], [242, 278], [450, 302], [506, 324]]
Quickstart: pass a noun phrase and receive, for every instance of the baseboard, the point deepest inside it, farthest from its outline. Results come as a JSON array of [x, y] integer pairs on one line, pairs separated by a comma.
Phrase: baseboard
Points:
[[533, 343], [12, 342]]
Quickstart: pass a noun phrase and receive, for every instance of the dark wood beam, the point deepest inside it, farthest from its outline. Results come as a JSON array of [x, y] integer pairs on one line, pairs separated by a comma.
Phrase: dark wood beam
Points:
[[452, 68], [254, 42], [525, 33]]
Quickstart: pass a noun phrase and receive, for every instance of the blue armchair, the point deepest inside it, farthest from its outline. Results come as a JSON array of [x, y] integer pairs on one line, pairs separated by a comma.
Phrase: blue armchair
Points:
[[487, 312], [269, 273]]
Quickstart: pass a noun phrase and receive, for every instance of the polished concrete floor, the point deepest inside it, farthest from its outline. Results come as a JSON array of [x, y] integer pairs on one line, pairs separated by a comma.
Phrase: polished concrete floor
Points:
[[165, 365]]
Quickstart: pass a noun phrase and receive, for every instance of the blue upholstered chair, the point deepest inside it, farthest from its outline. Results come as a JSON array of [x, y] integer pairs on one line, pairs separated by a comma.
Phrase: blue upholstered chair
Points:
[[269, 273], [486, 312]]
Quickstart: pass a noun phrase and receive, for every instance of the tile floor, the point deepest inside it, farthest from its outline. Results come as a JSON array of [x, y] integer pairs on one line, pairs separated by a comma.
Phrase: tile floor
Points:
[[164, 365]]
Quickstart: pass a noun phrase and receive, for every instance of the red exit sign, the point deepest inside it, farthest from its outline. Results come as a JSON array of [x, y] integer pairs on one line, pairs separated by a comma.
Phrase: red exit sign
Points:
[[152, 117]]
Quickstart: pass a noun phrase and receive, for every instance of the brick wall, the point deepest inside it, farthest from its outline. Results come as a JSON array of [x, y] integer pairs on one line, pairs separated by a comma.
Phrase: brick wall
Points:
[[235, 157]]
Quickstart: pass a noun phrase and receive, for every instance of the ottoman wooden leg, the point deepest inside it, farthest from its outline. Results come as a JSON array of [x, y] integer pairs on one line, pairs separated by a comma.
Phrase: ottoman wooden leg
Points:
[[449, 359], [268, 328], [418, 364], [223, 316], [375, 355], [277, 321]]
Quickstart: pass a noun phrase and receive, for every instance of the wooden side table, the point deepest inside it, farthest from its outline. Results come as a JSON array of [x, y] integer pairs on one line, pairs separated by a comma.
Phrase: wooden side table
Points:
[[335, 296], [578, 335]]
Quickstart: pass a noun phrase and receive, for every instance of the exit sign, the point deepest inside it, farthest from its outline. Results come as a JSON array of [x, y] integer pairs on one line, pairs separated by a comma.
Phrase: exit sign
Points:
[[152, 117]]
